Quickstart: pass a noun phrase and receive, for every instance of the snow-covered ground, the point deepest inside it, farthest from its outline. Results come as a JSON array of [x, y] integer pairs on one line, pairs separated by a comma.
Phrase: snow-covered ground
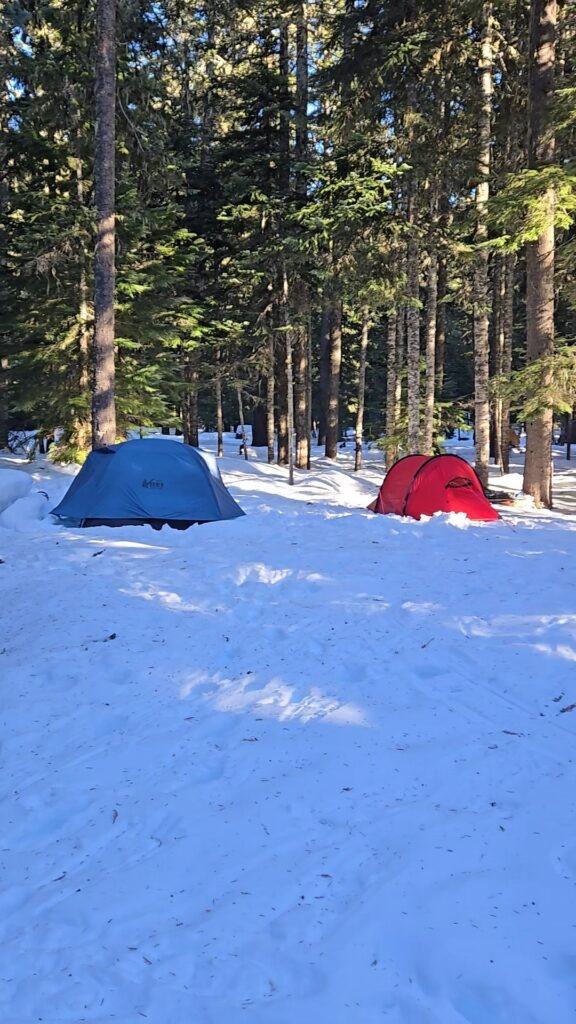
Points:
[[311, 766]]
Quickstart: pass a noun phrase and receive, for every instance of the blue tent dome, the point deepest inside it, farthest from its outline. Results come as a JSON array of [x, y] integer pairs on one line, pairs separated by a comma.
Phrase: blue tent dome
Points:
[[147, 481]]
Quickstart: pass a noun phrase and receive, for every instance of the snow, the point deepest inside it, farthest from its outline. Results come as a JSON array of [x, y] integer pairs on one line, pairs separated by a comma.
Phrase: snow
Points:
[[24, 512], [13, 485], [311, 765]]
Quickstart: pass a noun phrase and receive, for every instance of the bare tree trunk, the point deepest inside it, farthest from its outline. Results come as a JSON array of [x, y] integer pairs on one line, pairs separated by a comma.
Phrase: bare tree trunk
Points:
[[324, 364], [361, 386], [301, 411], [540, 254], [281, 399], [300, 290], [430, 342], [508, 331], [497, 355], [103, 351], [190, 405], [244, 445], [445, 220], [270, 382], [392, 377], [219, 413], [82, 426], [441, 325], [3, 402], [480, 286], [335, 363], [287, 340], [413, 327], [284, 396], [309, 388]]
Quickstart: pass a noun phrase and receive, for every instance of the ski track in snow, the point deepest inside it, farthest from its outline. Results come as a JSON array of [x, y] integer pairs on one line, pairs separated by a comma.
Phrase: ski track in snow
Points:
[[309, 766]]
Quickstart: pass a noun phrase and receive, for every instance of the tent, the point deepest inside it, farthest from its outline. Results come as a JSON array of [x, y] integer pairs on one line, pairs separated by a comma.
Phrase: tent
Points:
[[147, 481], [420, 485]]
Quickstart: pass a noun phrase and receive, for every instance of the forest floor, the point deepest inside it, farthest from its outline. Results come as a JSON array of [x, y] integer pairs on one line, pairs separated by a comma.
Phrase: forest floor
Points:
[[312, 765]]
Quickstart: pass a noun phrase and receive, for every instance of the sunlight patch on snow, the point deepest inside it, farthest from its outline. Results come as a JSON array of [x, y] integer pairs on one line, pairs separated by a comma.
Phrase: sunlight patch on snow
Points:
[[129, 544], [275, 699], [514, 625], [421, 607], [169, 599], [560, 651], [257, 572]]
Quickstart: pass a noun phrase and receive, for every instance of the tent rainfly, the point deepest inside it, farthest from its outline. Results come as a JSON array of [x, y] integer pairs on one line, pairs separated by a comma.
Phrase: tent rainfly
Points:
[[420, 485], [147, 481]]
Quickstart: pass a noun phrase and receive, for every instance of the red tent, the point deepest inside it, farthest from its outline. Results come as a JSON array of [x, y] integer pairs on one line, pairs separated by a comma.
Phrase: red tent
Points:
[[420, 485]]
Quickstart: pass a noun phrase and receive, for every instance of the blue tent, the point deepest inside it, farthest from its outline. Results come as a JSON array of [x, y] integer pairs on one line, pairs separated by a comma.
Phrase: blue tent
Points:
[[148, 481]]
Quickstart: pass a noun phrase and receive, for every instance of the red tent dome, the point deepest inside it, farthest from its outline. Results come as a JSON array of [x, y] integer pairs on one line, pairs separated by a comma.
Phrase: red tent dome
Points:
[[420, 485]]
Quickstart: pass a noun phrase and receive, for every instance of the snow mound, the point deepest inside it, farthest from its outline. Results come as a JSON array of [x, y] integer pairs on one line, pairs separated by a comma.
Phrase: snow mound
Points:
[[25, 512], [13, 485]]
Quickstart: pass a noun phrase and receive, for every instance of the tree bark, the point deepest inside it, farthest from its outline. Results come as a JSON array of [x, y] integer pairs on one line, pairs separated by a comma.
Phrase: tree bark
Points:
[[440, 345], [219, 413], [244, 445], [290, 387], [413, 327], [540, 254], [270, 386], [497, 355], [190, 429], [430, 343], [392, 376], [480, 285], [335, 363], [103, 348], [364, 335], [281, 391], [3, 402], [324, 365], [259, 426], [82, 425], [301, 411], [508, 332]]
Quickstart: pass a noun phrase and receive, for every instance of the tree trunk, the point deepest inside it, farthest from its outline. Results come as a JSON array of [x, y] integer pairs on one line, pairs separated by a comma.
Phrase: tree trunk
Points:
[[3, 402], [480, 285], [430, 342], [300, 290], [270, 383], [284, 397], [309, 388], [301, 411], [335, 363], [288, 372], [392, 375], [444, 222], [361, 386], [497, 355], [82, 426], [190, 405], [103, 353], [540, 254], [244, 445], [281, 399], [259, 426], [324, 365], [413, 327], [301, 105], [508, 331], [219, 414]]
